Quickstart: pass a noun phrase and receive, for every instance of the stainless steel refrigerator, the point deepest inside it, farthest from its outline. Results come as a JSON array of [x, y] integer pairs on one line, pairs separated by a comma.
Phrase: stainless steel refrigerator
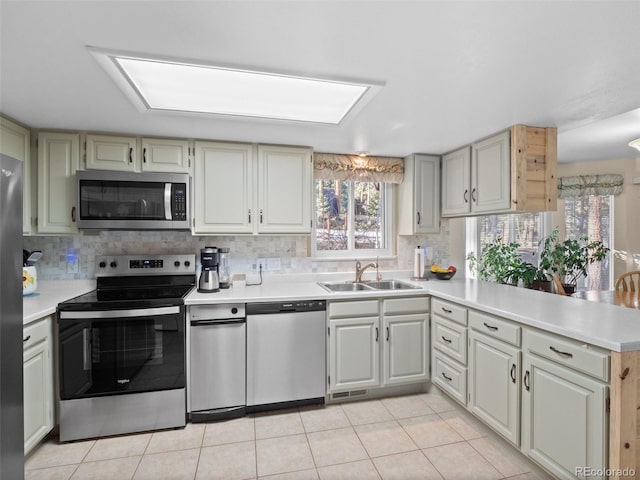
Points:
[[11, 402]]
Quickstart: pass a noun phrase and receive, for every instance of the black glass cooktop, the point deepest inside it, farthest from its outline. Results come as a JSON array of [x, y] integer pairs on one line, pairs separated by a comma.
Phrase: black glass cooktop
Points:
[[133, 292]]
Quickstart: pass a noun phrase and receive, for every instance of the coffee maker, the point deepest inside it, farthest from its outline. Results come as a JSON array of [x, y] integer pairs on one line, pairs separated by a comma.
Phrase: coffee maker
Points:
[[209, 280]]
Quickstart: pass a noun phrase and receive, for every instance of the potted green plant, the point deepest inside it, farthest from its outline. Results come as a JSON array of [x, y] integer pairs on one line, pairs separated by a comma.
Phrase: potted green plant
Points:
[[569, 259], [502, 263]]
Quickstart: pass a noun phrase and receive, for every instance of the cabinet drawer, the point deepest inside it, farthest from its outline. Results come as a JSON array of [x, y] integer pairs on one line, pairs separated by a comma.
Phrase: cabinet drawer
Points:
[[450, 338], [36, 332], [576, 355], [449, 310], [495, 327], [450, 377], [392, 306], [365, 308]]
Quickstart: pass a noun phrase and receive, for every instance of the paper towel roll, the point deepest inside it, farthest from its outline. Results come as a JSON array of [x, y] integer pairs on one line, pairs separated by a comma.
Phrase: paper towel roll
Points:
[[418, 262]]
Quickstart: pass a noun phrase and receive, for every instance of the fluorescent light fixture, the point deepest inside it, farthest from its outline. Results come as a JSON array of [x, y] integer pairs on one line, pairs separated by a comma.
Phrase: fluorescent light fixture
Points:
[[196, 87], [635, 143]]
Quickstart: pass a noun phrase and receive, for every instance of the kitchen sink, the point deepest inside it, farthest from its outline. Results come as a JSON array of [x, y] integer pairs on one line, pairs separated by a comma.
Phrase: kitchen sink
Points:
[[392, 285], [345, 286], [369, 286]]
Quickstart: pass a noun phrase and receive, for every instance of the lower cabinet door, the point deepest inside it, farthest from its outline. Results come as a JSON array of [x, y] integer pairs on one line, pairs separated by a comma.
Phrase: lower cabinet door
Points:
[[38, 394], [354, 353], [406, 352], [494, 386], [564, 419]]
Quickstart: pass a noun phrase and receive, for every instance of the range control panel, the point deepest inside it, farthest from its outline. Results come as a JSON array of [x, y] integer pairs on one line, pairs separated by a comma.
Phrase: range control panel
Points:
[[118, 265]]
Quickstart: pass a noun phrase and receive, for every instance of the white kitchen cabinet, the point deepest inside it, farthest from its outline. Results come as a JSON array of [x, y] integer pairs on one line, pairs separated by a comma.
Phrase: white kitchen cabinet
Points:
[[493, 384], [58, 160], [38, 382], [406, 340], [129, 154], [165, 155], [564, 404], [354, 349], [456, 181], [223, 193], [482, 184], [284, 189], [512, 171], [449, 352], [15, 142], [239, 189], [362, 334], [109, 152], [419, 195]]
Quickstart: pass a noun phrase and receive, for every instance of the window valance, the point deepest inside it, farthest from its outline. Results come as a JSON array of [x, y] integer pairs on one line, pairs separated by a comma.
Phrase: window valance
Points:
[[329, 166], [583, 185]]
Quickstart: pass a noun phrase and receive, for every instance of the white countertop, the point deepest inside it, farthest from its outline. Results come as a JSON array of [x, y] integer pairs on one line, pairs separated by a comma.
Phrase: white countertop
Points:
[[608, 326], [51, 292]]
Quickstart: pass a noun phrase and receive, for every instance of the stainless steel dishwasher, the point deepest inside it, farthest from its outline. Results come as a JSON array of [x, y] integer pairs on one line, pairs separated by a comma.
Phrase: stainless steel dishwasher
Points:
[[286, 353], [217, 357]]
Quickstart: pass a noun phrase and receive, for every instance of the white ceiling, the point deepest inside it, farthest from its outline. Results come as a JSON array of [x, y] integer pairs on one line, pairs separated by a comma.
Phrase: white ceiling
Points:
[[454, 71]]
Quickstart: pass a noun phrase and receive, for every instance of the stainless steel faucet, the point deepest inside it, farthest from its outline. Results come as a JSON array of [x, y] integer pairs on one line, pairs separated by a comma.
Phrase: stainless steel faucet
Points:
[[360, 270]]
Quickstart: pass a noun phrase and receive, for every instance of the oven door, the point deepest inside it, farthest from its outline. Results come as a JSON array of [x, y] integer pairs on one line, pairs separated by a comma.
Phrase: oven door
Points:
[[121, 351]]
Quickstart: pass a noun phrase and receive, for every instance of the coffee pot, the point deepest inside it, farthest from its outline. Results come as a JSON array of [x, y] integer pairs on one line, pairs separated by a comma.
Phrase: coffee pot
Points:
[[209, 280]]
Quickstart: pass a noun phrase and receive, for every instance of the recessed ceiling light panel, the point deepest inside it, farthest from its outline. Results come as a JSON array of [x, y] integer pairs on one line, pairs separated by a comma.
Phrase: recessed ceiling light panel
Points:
[[187, 86]]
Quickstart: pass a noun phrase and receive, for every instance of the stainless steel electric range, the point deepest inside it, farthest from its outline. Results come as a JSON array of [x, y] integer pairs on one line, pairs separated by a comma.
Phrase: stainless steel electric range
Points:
[[121, 348]]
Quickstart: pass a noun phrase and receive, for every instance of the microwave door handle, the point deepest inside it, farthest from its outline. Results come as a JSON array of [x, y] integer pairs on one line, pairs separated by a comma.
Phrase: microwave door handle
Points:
[[167, 201]]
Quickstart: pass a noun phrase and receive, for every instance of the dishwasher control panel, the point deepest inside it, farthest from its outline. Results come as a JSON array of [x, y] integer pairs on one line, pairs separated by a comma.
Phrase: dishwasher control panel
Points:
[[217, 311], [284, 307]]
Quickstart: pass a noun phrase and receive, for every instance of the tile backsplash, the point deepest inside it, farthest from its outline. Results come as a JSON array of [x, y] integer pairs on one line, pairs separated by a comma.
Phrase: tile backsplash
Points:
[[293, 251]]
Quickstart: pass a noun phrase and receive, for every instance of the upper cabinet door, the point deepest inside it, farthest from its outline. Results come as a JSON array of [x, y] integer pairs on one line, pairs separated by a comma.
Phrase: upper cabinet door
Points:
[[284, 189], [491, 174], [456, 182], [106, 152], [223, 190], [58, 160], [162, 155], [15, 142], [427, 194]]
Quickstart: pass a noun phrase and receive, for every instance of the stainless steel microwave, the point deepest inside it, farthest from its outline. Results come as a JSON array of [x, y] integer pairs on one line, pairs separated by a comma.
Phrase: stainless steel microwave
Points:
[[132, 201]]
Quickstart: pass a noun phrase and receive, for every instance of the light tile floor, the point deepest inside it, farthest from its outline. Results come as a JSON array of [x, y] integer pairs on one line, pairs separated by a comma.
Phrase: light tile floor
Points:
[[422, 436]]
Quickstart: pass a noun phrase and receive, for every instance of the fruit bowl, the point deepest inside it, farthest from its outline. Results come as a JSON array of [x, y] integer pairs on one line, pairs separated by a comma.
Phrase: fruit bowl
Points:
[[444, 275]]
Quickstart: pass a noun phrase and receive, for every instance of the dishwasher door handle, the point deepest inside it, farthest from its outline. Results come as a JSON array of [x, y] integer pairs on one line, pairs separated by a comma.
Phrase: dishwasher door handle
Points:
[[200, 323]]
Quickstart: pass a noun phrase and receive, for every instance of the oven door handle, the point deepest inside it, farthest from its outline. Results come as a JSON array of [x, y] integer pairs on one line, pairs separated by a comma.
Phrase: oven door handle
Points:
[[100, 314], [167, 201], [86, 349]]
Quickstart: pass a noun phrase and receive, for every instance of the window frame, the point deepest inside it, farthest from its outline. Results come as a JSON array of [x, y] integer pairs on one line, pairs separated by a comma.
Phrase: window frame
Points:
[[472, 237], [386, 214]]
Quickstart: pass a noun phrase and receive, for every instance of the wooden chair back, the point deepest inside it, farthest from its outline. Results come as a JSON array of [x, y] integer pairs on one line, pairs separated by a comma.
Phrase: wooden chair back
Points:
[[629, 282]]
